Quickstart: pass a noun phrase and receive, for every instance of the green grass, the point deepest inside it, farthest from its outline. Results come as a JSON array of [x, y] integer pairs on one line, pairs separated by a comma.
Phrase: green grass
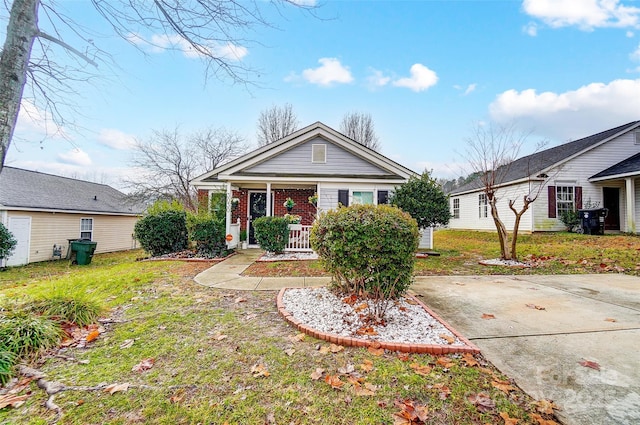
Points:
[[204, 344], [7, 361], [64, 308], [26, 334]]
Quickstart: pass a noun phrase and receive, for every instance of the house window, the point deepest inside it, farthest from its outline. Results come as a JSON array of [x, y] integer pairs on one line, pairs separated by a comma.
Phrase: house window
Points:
[[637, 139], [383, 197], [86, 228], [483, 206], [362, 198], [456, 208], [343, 197], [565, 200], [319, 153]]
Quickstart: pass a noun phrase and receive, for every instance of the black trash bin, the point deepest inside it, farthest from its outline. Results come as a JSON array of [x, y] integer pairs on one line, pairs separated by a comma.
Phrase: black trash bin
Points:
[[592, 221]]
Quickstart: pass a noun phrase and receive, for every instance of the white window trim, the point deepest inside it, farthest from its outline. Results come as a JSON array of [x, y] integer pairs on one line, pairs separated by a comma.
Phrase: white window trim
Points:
[[374, 194], [484, 213], [315, 160], [636, 141], [455, 209], [87, 231], [573, 196]]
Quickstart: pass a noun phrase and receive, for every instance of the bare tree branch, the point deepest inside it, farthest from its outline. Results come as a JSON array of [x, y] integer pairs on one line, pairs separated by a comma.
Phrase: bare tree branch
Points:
[[359, 127], [275, 123]]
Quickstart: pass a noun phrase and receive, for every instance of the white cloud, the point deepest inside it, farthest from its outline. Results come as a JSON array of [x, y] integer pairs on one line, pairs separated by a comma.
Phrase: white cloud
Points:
[[629, 34], [572, 114], [470, 88], [160, 43], [377, 79], [585, 14], [530, 29], [635, 55], [330, 71], [32, 119], [304, 2], [116, 139], [75, 156], [421, 78]]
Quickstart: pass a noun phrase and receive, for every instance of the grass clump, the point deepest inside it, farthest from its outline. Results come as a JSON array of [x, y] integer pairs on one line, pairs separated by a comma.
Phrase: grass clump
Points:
[[26, 334], [7, 361], [62, 308]]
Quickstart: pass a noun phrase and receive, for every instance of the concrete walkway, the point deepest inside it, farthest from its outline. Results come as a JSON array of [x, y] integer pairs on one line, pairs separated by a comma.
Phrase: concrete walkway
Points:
[[579, 317], [227, 275]]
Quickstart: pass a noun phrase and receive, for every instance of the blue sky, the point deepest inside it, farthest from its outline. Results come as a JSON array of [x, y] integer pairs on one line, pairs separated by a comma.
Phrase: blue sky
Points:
[[427, 72]]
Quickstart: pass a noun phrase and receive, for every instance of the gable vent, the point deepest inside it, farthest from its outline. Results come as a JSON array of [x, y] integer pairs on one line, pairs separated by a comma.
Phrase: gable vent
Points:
[[319, 153]]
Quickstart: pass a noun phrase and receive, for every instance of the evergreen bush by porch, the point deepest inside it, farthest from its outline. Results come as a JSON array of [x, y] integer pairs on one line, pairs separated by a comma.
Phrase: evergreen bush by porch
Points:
[[368, 249], [208, 234], [272, 233], [7, 242], [163, 230]]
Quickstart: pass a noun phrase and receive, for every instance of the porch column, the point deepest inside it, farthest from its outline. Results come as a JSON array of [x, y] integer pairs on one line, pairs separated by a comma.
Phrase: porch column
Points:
[[269, 199], [630, 189], [228, 208]]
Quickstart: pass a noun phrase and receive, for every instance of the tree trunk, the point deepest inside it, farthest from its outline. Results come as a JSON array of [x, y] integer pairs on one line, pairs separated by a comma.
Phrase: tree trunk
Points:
[[14, 62], [503, 235], [516, 224]]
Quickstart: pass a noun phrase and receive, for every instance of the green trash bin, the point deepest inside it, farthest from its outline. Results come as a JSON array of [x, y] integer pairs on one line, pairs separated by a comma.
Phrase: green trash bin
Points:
[[83, 250]]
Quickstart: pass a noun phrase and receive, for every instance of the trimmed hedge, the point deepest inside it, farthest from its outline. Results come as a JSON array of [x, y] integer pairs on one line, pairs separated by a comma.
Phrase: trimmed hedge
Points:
[[368, 249], [162, 232], [423, 198], [272, 233], [208, 235]]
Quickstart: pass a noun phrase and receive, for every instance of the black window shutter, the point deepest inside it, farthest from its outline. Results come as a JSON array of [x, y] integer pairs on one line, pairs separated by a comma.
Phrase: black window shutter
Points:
[[552, 201], [383, 197], [578, 190], [343, 198]]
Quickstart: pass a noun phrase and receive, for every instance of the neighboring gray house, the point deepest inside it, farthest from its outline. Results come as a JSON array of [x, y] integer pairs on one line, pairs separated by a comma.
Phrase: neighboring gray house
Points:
[[602, 169], [43, 211], [316, 160]]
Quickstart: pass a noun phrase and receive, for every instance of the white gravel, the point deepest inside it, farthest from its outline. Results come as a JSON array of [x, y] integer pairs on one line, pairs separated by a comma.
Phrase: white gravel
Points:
[[288, 256], [501, 262], [320, 309]]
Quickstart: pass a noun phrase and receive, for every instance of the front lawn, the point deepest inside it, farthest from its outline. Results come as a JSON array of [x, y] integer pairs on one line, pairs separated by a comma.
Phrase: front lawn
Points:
[[460, 251], [221, 357]]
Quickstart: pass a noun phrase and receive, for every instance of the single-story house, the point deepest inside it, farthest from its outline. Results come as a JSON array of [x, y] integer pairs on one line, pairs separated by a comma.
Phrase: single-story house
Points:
[[601, 171], [313, 161], [44, 211]]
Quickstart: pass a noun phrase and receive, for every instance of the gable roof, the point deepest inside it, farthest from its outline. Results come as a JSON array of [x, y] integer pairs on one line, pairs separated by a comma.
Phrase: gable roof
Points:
[[542, 161], [625, 168], [299, 137], [32, 190]]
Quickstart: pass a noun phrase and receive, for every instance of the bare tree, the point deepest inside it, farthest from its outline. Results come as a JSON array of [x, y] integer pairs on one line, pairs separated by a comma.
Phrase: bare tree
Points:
[[275, 123], [168, 161], [211, 30], [492, 152], [359, 127]]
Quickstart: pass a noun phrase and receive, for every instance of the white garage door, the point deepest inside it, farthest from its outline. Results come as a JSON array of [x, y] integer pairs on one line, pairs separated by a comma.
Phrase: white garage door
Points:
[[20, 227]]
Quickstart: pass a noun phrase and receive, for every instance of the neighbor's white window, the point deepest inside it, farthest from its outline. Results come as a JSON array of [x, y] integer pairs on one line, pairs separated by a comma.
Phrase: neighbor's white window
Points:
[[637, 133], [318, 153], [86, 228], [565, 199], [483, 206], [456, 208], [362, 198]]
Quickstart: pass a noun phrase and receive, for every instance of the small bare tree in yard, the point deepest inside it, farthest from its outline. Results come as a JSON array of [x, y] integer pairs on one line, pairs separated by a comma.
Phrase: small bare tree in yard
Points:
[[491, 153], [359, 127], [275, 123], [211, 30], [168, 161]]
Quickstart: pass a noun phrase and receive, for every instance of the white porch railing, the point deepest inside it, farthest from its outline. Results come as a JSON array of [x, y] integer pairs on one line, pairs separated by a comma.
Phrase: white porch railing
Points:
[[299, 240]]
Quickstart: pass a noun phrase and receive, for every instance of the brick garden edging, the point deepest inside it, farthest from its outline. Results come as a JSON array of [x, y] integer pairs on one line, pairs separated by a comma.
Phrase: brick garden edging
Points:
[[348, 341]]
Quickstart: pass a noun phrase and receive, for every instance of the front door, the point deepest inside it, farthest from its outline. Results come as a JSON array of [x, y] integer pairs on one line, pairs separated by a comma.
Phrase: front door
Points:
[[611, 201], [20, 228], [257, 209]]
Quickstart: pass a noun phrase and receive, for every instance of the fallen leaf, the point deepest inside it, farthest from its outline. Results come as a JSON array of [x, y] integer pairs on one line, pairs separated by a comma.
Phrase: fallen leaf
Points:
[[404, 357], [443, 390], [504, 386], [289, 352], [366, 365], [116, 388], [317, 374], [469, 359], [13, 400], [334, 348], [240, 300], [361, 307], [543, 421], [178, 396], [354, 380], [91, 336], [545, 406], [351, 299], [507, 419], [366, 390], [590, 364], [145, 364], [219, 336], [448, 338], [259, 370], [366, 330], [488, 316], [422, 370], [535, 307], [334, 381], [324, 349], [411, 301], [296, 338], [482, 401], [410, 413], [270, 419], [609, 319], [445, 362], [347, 370], [375, 351], [127, 343]]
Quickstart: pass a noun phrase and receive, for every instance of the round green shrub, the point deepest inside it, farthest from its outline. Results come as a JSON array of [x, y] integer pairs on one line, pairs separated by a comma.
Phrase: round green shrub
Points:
[[423, 198], [368, 249], [208, 235], [162, 232], [7, 242], [272, 233]]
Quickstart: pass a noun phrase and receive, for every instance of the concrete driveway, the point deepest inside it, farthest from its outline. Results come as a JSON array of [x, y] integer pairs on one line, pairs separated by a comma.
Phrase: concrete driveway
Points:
[[579, 317]]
